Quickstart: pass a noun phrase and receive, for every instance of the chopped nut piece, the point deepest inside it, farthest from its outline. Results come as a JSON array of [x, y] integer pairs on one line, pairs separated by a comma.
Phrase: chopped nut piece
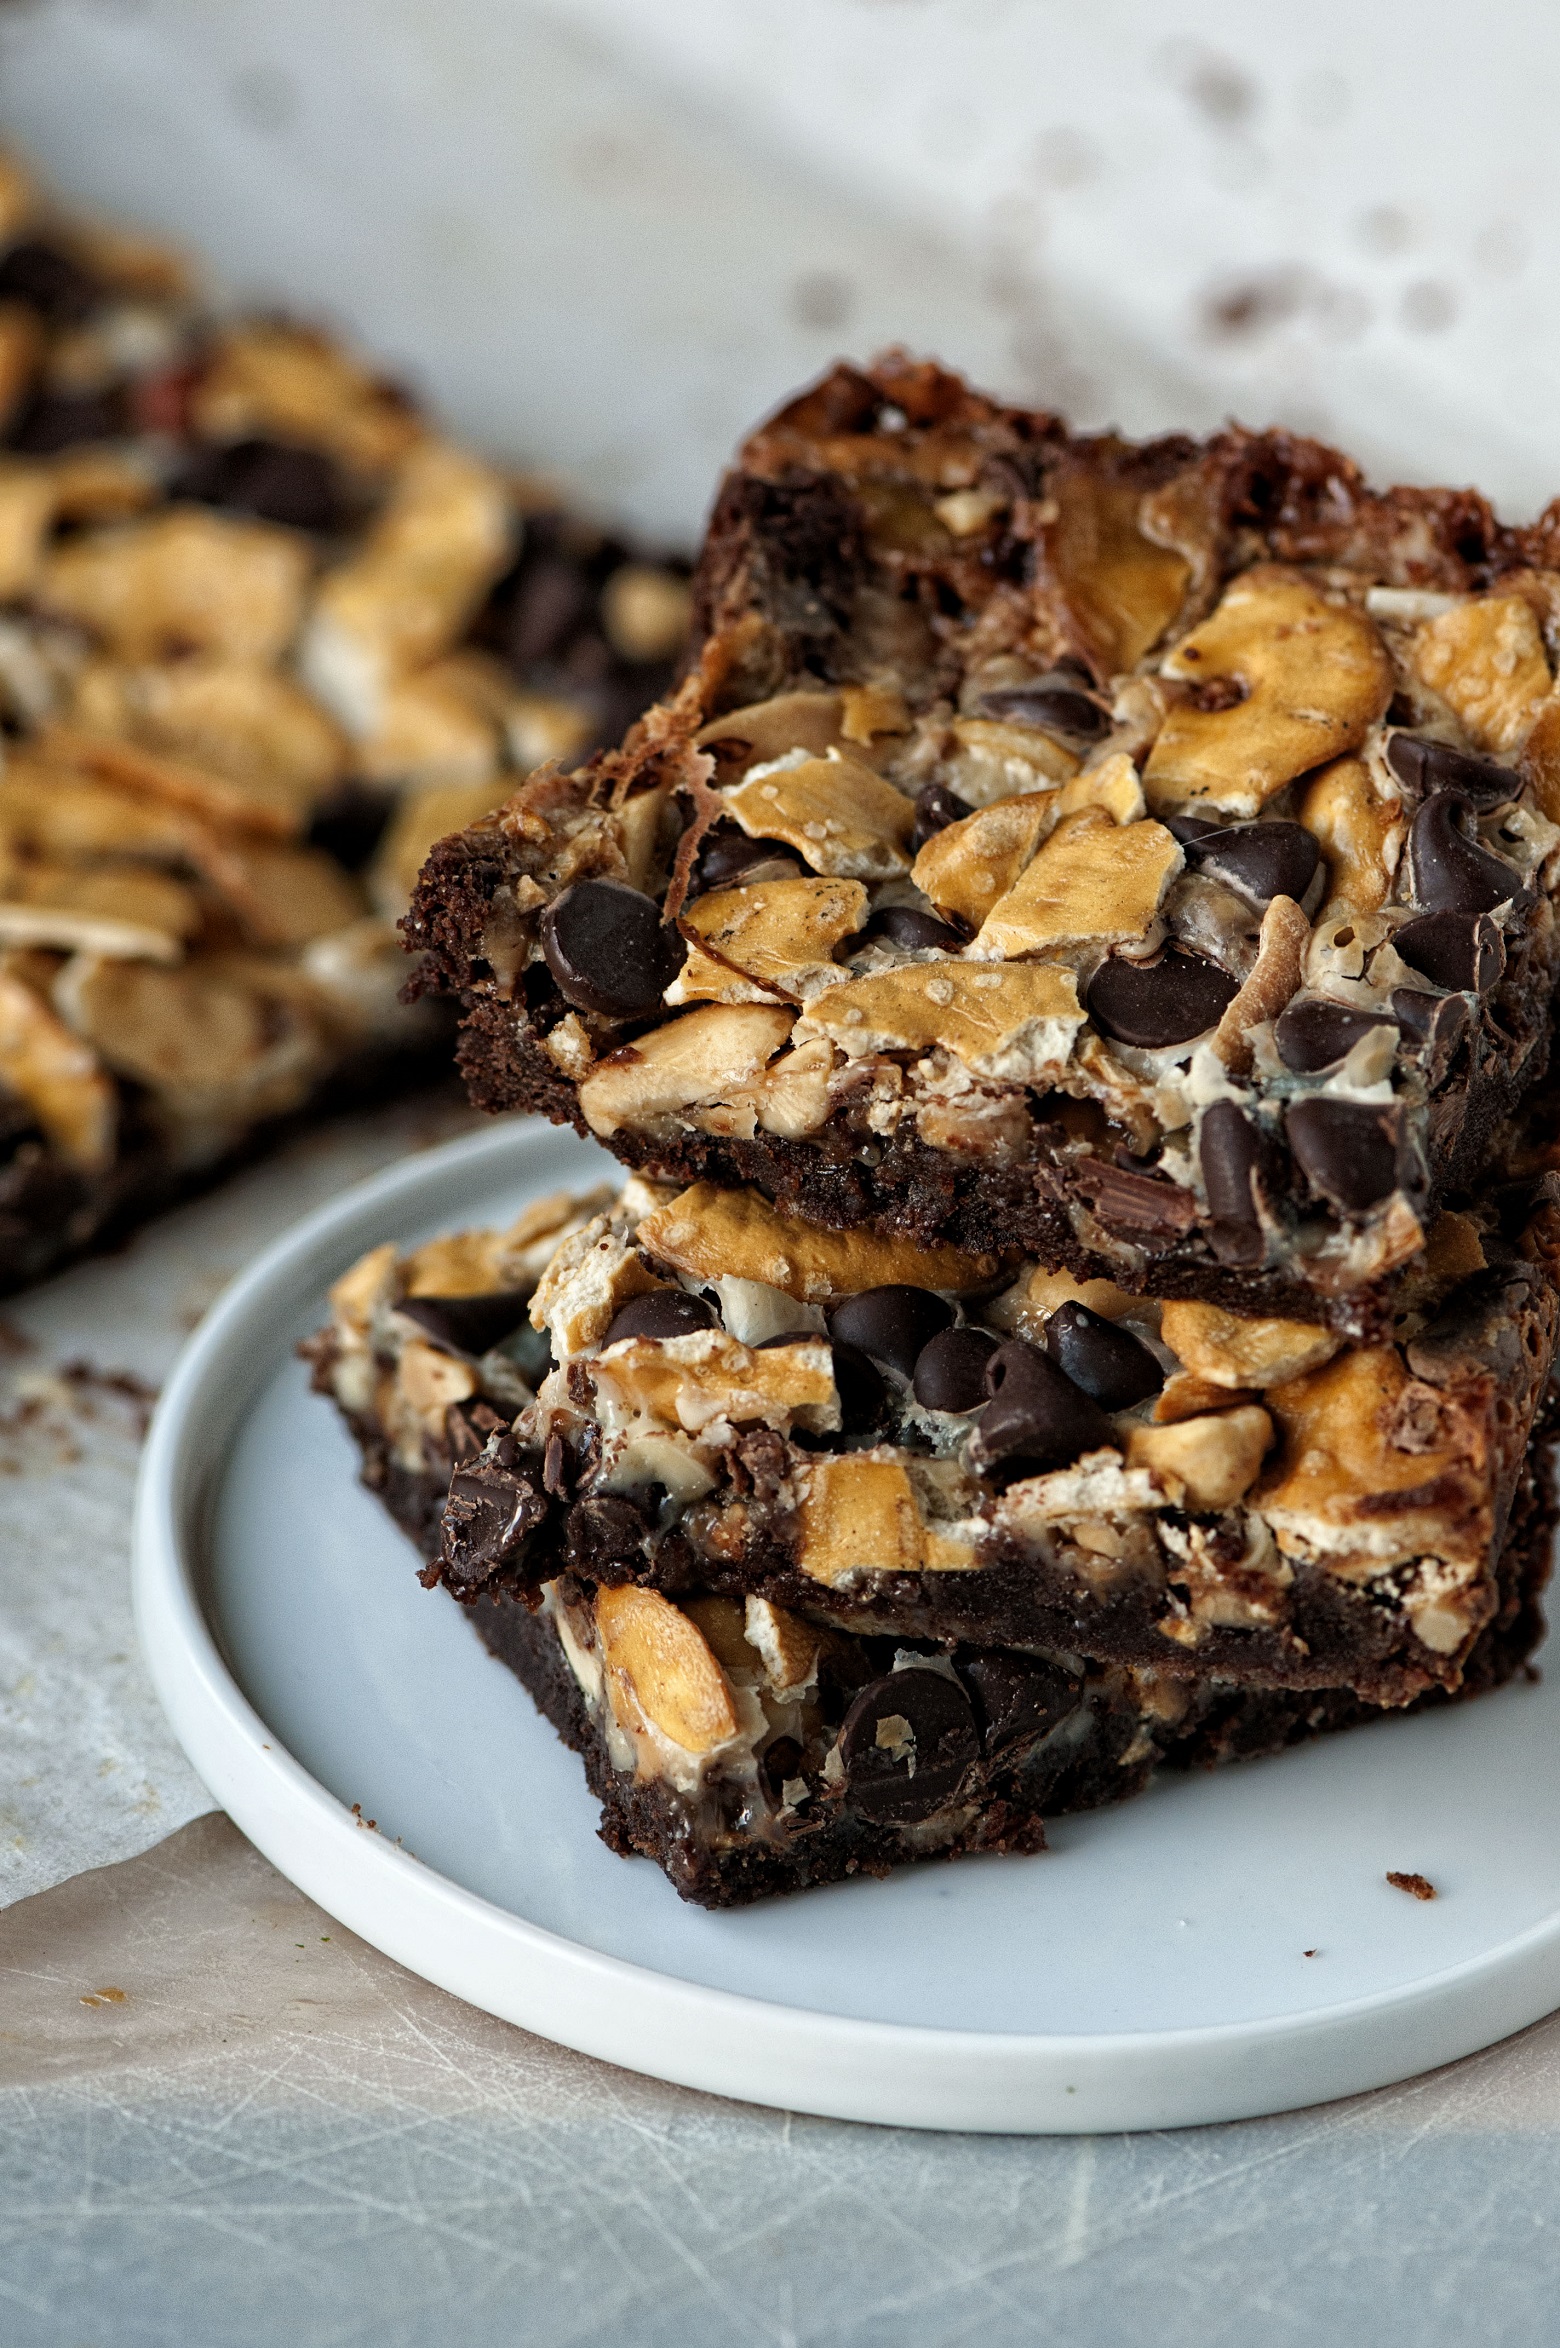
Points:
[[660, 1669], [57, 1076], [705, 1056], [967, 867], [1229, 1349], [858, 1515], [1014, 1024], [215, 1040], [182, 581], [718, 1234], [781, 934], [1094, 883], [1120, 590], [1486, 659], [1337, 1451], [787, 1646], [1184, 1396], [1209, 1462], [839, 816], [691, 1381], [1312, 677], [1353, 825], [645, 610], [1024, 1309], [367, 1284], [431, 1380]]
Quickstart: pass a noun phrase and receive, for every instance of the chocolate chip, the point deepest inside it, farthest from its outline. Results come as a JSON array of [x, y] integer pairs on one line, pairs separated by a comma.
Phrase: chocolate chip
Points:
[[936, 807], [1464, 952], [665, 1312], [1156, 1003], [1424, 767], [863, 1395], [299, 487], [551, 601], [467, 1324], [1347, 1150], [609, 950], [891, 1324], [468, 1426], [782, 1761], [1434, 1025], [1018, 1698], [728, 857], [908, 1742], [1314, 1035], [1036, 1413], [1110, 1364], [904, 926], [66, 419], [950, 1370], [349, 823], [604, 1537], [1228, 1152], [1451, 873], [1052, 702], [1187, 828], [493, 1508], [1258, 860], [47, 281]]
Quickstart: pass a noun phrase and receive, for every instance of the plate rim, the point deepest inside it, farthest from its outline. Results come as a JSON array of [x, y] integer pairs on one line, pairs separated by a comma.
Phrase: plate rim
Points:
[[644, 2019]]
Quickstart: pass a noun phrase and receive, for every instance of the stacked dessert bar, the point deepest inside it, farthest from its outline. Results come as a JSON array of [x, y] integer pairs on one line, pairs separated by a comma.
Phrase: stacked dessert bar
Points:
[[264, 636], [1070, 970]]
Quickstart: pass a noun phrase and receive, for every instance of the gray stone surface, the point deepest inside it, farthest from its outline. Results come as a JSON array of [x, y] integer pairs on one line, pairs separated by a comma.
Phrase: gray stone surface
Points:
[[223, 2119]]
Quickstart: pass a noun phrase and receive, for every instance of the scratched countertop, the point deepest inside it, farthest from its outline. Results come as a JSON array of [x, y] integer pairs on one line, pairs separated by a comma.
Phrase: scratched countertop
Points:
[[223, 2118]]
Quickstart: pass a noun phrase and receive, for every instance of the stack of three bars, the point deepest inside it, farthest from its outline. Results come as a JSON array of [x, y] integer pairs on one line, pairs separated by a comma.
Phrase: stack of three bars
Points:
[[1070, 968]]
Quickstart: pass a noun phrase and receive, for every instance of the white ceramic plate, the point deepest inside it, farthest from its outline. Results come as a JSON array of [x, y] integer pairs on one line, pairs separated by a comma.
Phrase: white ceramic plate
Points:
[[1224, 1946]]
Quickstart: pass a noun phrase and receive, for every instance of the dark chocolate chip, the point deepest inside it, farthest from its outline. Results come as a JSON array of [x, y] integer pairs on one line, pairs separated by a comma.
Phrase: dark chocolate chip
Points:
[[1433, 1024], [1018, 1698], [1465, 952], [467, 1324], [908, 1742], [1187, 828], [950, 1370], [1110, 1364], [349, 823], [47, 281], [863, 1395], [1036, 1413], [66, 419], [1052, 702], [904, 926], [1156, 1003], [493, 1508], [1450, 873], [552, 600], [663, 1313], [782, 1761], [609, 950], [605, 1537], [890, 1324], [1347, 1150], [468, 1426], [300, 487], [1258, 860], [936, 807], [1424, 767], [1312, 1035], [1227, 1151], [728, 856]]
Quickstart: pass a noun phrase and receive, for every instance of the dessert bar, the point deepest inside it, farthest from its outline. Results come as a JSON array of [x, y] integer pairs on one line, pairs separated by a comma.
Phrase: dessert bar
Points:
[[265, 635], [1142, 854], [929, 1445], [748, 1747]]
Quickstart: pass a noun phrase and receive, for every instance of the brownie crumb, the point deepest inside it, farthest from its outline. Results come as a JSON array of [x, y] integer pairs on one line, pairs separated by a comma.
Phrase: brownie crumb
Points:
[[1418, 1886]]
